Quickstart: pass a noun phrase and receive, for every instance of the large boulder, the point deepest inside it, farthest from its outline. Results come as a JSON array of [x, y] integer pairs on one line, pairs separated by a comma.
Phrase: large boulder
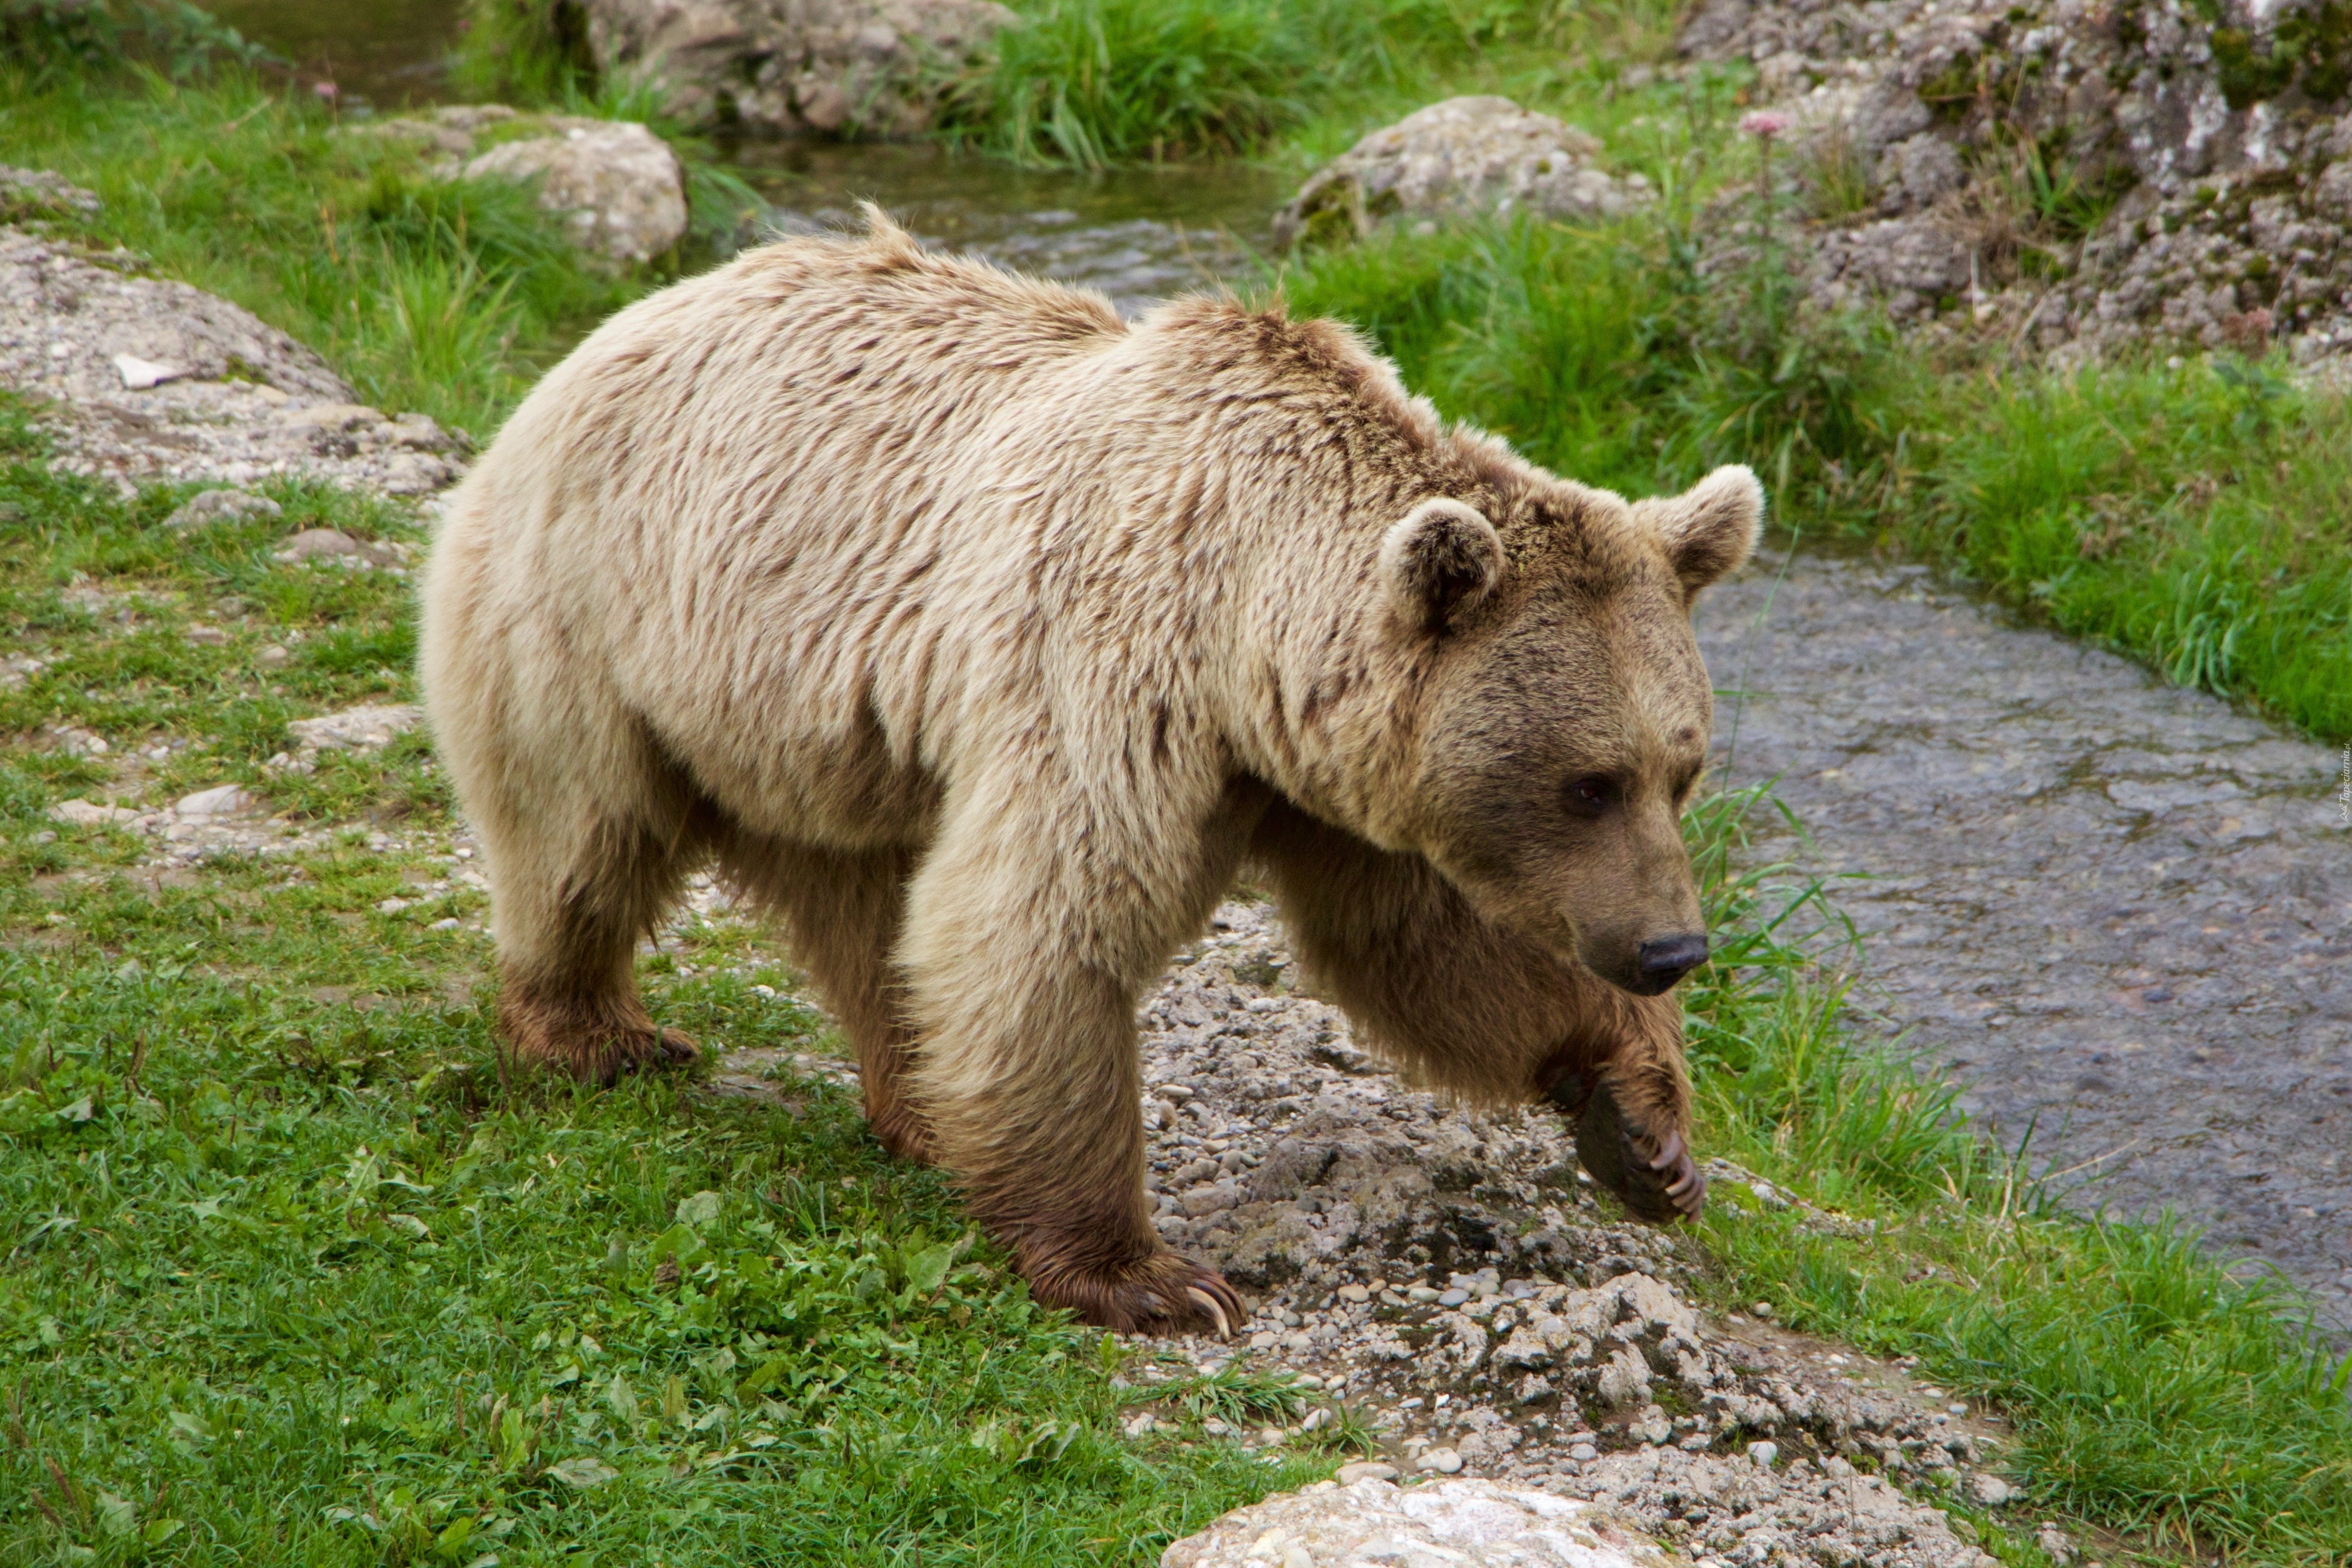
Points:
[[833, 68], [1456, 1522], [2074, 178], [1463, 158], [617, 186]]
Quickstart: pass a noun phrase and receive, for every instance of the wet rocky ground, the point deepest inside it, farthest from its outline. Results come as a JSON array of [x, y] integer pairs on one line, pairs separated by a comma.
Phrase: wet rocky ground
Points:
[[2118, 913]]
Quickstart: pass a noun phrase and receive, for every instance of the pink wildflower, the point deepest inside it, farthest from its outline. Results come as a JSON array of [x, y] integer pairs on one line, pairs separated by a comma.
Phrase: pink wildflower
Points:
[[1765, 123]]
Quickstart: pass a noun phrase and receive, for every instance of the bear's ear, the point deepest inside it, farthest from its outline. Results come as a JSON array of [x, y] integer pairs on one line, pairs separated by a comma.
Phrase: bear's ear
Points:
[[1709, 528], [1439, 560]]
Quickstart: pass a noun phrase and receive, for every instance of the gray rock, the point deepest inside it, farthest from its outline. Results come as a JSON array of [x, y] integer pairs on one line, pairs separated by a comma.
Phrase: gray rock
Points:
[[331, 544], [89, 814], [33, 193], [2225, 221], [1990, 1490], [234, 408], [208, 507], [616, 185], [1449, 1522], [1465, 157], [1921, 169], [861, 68], [221, 800], [366, 727]]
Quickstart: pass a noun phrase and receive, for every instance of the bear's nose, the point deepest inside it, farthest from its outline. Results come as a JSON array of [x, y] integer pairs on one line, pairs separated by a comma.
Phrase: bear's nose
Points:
[[1669, 958]]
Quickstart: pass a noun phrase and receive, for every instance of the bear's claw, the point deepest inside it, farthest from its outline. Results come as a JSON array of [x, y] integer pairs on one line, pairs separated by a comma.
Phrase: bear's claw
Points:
[[1656, 1179], [1163, 1294]]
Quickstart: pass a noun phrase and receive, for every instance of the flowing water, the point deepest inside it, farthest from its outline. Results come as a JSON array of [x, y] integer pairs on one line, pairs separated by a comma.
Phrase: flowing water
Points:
[[2114, 911]]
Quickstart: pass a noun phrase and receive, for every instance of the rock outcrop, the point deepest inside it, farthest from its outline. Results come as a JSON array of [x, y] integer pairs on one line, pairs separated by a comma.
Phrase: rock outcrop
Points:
[[832, 68], [146, 378], [2074, 177], [1472, 1522], [616, 186], [1462, 158]]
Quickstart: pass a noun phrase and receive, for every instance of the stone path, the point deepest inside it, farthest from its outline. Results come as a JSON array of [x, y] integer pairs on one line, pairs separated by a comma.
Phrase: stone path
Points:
[[2119, 913]]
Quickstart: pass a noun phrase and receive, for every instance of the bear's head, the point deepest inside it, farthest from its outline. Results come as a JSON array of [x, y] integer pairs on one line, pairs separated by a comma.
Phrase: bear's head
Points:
[[1566, 711]]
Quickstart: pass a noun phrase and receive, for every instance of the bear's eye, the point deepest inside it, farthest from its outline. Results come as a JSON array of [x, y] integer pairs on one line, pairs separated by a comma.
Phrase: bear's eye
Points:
[[1592, 795]]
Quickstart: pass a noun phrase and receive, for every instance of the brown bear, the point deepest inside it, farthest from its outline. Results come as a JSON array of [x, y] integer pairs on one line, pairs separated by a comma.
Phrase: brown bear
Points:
[[985, 637]]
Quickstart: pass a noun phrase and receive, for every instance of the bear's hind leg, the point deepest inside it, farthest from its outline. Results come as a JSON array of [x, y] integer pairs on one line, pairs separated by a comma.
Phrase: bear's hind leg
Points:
[[570, 894], [843, 909]]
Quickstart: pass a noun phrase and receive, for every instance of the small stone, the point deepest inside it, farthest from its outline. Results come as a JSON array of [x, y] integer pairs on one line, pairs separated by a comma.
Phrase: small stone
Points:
[[1990, 1490], [1762, 1455], [448, 922], [1354, 1294], [363, 729], [272, 657], [1453, 1298], [1583, 1453], [1422, 1293], [208, 507], [1366, 1470], [140, 374], [221, 800], [206, 636], [331, 544], [89, 814], [1762, 1310], [1445, 1461]]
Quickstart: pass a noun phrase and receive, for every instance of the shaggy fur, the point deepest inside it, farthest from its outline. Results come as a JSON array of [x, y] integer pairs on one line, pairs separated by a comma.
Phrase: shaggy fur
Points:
[[984, 636]]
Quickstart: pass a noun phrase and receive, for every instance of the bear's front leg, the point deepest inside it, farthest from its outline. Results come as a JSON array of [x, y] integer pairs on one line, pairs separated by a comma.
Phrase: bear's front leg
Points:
[[1629, 1102], [1022, 972]]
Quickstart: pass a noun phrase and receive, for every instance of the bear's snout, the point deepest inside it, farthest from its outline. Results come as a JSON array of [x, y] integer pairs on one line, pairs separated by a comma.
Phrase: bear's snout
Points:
[[1661, 962]]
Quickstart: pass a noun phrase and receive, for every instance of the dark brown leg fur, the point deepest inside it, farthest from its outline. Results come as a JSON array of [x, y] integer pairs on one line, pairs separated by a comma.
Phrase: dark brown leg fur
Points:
[[1487, 1014], [568, 911], [593, 1039], [843, 912]]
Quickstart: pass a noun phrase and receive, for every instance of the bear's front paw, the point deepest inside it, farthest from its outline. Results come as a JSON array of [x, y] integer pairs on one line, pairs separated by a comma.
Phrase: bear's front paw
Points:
[[1653, 1176], [1162, 1294]]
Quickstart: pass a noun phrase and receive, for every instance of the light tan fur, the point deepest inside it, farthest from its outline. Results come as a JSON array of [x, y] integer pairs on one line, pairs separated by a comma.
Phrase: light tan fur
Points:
[[984, 636]]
